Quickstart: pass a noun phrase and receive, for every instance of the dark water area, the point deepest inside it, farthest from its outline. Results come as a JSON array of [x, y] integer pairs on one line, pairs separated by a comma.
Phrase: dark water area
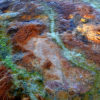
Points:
[[49, 50]]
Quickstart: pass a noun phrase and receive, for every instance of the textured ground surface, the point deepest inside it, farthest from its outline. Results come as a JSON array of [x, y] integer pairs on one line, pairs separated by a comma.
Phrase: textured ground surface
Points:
[[78, 25]]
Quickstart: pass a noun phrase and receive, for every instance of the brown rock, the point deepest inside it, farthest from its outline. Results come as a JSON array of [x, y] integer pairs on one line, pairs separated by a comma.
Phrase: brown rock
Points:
[[25, 33], [5, 83], [27, 61], [57, 72], [85, 11], [72, 42], [62, 95], [77, 80]]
